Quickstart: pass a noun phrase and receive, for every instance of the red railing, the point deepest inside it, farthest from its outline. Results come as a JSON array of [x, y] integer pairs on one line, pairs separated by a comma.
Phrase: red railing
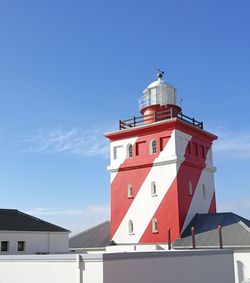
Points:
[[158, 116]]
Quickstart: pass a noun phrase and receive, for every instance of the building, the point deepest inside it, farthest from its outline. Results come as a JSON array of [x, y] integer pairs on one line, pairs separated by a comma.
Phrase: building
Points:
[[235, 232], [161, 170], [21, 233], [235, 235], [92, 240]]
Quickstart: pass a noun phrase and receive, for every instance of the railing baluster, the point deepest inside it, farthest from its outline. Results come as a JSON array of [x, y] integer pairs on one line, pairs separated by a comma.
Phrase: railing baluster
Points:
[[134, 121]]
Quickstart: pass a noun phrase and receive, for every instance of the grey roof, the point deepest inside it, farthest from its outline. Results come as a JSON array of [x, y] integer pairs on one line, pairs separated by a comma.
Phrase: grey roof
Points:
[[235, 231], [15, 220], [95, 237]]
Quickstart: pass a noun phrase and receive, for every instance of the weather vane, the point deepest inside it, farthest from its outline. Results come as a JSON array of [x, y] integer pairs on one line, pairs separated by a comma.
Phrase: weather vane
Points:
[[160, 74]]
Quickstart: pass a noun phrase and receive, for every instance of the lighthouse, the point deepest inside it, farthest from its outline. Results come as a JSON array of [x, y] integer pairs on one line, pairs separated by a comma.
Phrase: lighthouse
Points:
[[161, 170]]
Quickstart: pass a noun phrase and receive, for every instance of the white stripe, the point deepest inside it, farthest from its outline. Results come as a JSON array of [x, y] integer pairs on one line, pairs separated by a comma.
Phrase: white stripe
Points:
[[120, 147], [144, 205], [199, 204]]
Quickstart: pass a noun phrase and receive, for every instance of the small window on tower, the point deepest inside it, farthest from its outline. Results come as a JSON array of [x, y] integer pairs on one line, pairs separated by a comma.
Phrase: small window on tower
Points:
[[190, 188], [189, 148], [153, 147], [130, 227], [114, 153], [204, 193], [154, 225], [153, 189], [117, 151], [130, 191], [129, 151]]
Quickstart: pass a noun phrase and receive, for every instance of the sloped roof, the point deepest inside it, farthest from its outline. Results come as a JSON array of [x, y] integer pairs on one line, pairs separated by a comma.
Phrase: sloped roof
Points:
[[235, 231], [15, 220], [95, 237]]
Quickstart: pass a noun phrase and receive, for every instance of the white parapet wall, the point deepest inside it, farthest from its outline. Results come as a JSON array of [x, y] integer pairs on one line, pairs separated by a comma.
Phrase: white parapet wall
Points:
[[169, 267], [242, 265], [135, 267]]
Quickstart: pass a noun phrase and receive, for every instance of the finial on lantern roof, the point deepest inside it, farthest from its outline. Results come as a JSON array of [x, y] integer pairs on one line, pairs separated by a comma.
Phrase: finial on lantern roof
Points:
[[160, 74]]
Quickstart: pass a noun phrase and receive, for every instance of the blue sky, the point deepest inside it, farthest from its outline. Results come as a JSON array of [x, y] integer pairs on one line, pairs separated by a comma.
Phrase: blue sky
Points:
[[69, 70]]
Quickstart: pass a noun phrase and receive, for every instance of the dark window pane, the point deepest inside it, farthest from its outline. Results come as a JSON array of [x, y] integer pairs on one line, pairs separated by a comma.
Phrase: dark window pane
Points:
[[4, 246], [20, 246]]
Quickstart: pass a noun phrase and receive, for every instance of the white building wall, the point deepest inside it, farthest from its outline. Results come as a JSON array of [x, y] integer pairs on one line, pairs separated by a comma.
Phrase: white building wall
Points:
[[36, 242], [59, 242], [242, 265], [140, 267]]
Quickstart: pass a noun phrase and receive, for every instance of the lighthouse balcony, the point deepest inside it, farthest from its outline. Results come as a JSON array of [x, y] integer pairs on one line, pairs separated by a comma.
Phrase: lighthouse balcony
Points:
[[156, 117]]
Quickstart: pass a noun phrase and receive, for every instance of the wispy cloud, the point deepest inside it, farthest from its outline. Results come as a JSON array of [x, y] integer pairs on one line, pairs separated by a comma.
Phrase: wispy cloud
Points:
[[96, 209], [75, 141], [232, 143], [39, 211], [74, 219]]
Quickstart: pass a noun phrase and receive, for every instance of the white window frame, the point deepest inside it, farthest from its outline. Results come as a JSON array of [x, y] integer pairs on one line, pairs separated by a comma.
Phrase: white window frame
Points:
[[130, 191], [129, 151], [153, 189], [116, 152], [154, 225], [130, 227]]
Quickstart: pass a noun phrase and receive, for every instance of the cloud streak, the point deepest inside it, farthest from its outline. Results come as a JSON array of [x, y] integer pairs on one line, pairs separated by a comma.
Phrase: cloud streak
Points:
[[232, 144], [75, 141], [39, 211], [91, 209], [74, 219]]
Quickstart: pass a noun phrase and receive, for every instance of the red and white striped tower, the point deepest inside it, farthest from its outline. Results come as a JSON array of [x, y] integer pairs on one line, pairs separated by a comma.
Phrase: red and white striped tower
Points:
[[161, 170]]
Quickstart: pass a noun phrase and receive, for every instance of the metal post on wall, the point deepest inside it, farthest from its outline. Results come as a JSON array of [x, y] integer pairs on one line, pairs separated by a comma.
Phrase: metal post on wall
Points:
[[169, 239], [193, 237], [220, 236]]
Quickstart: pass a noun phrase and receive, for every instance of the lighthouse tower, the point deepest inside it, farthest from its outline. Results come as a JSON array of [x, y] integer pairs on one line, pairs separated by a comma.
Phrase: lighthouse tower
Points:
[[161, 170]]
